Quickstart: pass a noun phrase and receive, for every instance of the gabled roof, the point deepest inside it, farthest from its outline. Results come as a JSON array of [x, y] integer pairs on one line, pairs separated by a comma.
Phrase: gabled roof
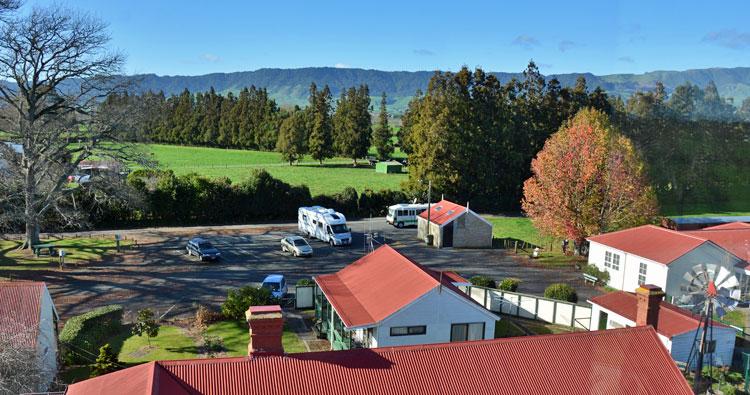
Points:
[[443, 212], [380, 284], [730, 226], [617, 361], [672, 320], [653, 242], [20, 310], [734, 237]]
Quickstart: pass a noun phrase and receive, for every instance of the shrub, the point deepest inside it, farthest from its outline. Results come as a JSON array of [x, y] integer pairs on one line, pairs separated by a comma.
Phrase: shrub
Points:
[[561, 291], [106, 362], [212, 344], [593, 270], [509, 284], [482, 281], [240, 299], [303, 282], [204, 317], [86, 333]]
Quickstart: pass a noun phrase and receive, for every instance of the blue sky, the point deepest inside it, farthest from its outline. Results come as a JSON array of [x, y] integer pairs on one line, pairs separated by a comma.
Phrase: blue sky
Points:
[[603, 37]]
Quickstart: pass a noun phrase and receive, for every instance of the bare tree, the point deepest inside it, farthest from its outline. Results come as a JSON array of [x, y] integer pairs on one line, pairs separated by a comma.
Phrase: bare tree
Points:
[[21, 370], [60, 69]]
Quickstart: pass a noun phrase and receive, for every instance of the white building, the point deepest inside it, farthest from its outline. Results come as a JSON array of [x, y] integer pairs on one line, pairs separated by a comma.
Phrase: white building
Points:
[[29, 318], [675, 327], [654, 255], [386, 299]]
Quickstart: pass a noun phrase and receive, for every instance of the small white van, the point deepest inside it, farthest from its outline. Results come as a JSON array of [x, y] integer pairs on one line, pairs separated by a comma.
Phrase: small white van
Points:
[[324, 224], [404, 214]]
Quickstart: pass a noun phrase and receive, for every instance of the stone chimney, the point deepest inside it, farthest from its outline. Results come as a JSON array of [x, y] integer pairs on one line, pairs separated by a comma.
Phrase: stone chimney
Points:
[[266, 327], [649, 298]]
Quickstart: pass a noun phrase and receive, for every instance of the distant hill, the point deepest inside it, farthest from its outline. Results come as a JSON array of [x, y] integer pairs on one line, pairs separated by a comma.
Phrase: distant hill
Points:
[[290, 86]]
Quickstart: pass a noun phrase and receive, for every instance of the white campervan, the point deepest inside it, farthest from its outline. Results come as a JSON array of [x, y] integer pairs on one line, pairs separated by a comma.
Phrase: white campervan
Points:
[[324, 224], [403, 214]]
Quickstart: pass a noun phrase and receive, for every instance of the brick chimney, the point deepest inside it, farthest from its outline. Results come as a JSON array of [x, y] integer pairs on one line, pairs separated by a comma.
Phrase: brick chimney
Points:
[[266, 327], [649, 298]]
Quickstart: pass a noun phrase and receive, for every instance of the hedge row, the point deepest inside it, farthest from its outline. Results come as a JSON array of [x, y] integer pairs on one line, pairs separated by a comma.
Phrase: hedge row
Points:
[[167, 199], [83, 334]]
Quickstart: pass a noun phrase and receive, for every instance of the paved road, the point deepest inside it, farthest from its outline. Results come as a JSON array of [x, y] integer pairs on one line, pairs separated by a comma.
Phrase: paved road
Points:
[[158, 274]]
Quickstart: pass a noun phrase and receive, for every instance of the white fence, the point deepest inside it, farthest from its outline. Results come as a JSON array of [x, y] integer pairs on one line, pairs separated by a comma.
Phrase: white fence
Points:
[[531, 307]]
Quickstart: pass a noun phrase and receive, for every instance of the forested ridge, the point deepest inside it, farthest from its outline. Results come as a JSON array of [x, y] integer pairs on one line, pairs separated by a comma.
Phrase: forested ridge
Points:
[[473, 135]]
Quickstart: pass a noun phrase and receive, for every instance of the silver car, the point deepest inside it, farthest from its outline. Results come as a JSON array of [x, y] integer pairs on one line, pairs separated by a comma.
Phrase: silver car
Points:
[[296, 245]]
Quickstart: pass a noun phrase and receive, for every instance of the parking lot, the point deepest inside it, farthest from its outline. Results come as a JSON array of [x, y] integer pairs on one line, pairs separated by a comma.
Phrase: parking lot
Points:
[[159, 274]]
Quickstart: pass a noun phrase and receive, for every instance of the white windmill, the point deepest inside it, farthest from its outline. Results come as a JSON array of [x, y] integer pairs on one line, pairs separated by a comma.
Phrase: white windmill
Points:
[[707, 289]]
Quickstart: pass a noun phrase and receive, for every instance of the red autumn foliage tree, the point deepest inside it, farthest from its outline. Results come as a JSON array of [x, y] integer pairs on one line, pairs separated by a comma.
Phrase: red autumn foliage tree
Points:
[[588, 179]]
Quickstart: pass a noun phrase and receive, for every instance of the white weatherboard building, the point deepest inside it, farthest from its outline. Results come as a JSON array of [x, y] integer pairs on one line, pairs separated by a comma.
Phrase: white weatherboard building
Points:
[[675, 327], [654, 255], [386, 299], [28, 316]]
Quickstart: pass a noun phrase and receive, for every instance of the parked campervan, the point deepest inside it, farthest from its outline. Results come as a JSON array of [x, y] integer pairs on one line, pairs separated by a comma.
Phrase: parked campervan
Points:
[[324, 224], [404, 214]]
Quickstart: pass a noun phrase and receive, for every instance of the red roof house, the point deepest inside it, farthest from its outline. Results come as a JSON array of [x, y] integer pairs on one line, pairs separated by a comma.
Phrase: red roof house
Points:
[[385, 290], [676, 327], [661, 256], [450, 224], [28, 319], [624, 361]]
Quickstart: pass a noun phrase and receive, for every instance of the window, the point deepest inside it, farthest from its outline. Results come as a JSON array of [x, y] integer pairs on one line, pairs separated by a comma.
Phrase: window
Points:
[[408, 330], [642, 274], [611, 261], [470, 331]]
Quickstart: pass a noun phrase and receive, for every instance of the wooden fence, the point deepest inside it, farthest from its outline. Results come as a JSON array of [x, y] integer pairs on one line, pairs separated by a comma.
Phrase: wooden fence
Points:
[[531, 307]]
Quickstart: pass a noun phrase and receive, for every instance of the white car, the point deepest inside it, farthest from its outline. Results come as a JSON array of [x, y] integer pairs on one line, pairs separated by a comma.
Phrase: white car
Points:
[[296, 245]]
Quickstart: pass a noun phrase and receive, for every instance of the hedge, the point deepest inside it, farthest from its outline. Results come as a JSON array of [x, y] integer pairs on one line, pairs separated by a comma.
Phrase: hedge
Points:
[[84, 334], [509, 284], [482, 281], [561, 291]]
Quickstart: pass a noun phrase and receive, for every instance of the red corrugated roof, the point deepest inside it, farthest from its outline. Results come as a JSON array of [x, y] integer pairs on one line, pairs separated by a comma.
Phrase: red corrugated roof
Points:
[[672, 320], [20, 310], [379, 284], [443, 212], [730, 226], [734, 238], [617, 361], [653, 242]]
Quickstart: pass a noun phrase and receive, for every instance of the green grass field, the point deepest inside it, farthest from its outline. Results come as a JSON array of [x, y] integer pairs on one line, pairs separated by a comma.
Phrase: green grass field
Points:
[[236, 337], [171, 343], [79, 251], [332, 177]]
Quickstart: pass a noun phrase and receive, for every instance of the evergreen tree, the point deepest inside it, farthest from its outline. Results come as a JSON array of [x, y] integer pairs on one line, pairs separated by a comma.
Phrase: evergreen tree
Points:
[[352, 123], [320, 140], [106, 362], [291, 140], [381, 137]]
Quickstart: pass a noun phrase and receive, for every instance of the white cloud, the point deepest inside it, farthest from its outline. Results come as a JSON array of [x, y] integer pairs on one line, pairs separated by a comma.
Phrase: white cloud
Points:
[[342, 66], [209, 57], [525, 41], [729, 38]]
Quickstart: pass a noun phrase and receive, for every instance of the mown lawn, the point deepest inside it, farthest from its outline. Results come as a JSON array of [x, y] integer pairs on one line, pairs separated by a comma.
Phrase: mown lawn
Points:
[[78, 251], [236, 336], [521, 228], [332, 177], [506, 328], [171, 343]]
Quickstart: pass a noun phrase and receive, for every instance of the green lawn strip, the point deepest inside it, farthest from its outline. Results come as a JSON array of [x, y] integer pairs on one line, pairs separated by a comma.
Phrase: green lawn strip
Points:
[[171, 343], [735, 318], [77, 251], [332, 177], [236, 337], [521, 228], [506, 328], [543, 328]]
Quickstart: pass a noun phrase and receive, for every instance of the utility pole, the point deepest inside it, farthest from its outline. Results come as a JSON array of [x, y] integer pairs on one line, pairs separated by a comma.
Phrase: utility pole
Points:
[[429, 211]]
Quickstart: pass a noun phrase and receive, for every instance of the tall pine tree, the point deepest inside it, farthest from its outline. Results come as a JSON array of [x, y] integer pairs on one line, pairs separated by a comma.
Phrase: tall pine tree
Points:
[[320, 141], [381, 137]]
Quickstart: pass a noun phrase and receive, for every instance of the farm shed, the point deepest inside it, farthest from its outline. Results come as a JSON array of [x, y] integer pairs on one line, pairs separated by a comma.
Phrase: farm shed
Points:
[[453, 225], [385, 299], [388, 167], [675, 327]]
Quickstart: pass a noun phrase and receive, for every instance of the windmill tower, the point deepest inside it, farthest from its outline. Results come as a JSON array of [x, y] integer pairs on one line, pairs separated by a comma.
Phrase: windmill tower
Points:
[[706, 289]]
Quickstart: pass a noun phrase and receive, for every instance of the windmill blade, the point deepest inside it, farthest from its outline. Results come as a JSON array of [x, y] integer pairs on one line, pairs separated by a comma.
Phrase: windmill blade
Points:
[[726, 303], [720, 311], [722, 276]]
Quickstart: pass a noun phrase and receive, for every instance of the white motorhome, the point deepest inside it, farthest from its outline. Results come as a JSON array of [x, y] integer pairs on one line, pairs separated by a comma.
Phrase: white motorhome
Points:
[[404, 214], [324, 224]]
